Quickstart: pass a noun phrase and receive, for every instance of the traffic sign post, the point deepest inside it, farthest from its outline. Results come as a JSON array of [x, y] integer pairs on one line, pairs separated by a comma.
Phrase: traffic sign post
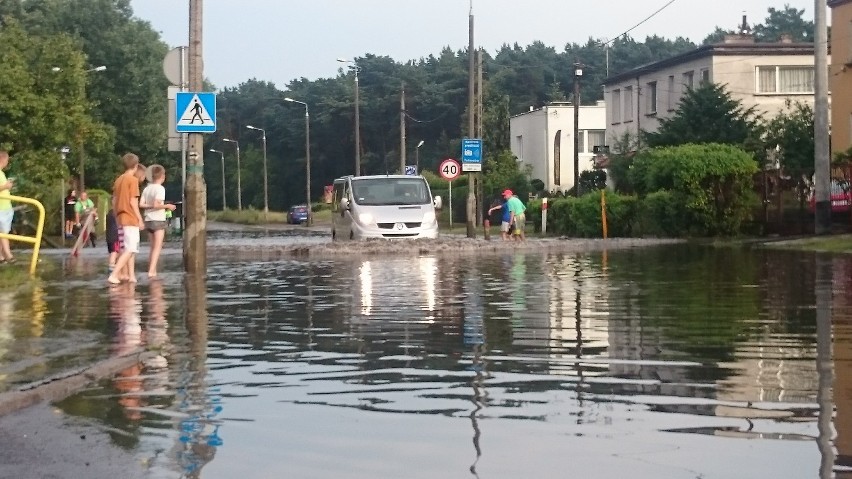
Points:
[[449, 170], [471, 154], [196, 112]]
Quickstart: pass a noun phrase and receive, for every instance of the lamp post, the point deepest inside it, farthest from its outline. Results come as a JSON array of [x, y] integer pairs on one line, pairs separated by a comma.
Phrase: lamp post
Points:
[[578, 72], [80, 152], [357, 117], [307, 158], [239, 186], [417, 157], [265, 177], [222, 156]]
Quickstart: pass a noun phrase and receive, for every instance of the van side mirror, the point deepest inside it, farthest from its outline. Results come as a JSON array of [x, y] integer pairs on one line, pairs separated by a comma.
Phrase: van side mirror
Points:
[[344, 204], [438, 202]]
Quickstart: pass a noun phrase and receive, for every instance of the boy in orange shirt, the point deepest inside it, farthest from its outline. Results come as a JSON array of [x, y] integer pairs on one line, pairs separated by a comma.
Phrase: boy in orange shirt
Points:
[[125, 192]]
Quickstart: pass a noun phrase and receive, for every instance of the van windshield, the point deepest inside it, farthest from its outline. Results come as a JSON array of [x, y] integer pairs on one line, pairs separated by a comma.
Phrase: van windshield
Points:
[[390, 191]]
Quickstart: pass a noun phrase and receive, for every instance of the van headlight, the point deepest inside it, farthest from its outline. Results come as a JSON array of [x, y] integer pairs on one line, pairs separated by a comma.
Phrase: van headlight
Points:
[[429, 217], [366, 219]]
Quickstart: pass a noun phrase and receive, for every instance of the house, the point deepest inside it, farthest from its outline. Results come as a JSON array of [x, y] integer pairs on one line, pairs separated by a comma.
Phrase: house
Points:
[[841, 74], [763, 75], [543, 139]]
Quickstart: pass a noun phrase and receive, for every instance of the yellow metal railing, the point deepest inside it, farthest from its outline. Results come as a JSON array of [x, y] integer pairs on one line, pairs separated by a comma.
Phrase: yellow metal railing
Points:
[[35, 240]]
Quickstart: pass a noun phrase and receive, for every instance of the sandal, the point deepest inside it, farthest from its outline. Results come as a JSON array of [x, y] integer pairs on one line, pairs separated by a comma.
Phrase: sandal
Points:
[[10, 261]]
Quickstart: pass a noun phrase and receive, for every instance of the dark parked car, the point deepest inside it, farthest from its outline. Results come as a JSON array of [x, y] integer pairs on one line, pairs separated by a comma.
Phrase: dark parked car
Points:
[[297, 214]]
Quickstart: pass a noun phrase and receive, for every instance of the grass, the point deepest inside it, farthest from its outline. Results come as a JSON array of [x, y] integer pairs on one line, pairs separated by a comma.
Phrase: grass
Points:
[[252, 216], [18, 274], [826, 244]]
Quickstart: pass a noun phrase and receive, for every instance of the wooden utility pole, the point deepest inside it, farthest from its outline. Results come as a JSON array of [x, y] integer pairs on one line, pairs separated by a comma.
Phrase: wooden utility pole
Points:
[[822, 161], [402, 146], [195, 231], [471, 125]]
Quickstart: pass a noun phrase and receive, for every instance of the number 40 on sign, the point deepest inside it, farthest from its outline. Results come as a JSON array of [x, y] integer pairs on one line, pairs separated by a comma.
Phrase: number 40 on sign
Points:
[[449, 169]]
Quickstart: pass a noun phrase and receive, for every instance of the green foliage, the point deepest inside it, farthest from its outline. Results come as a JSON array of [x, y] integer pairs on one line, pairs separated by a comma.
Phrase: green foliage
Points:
[[712, 181], [788, 20], [620, 160], [592, 180], [582, 216], [663, 213], [501, 171], [708, 114], [792, 131]]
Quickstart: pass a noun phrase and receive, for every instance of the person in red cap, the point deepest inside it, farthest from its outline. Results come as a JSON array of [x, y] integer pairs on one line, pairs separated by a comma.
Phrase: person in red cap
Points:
[[517, 216]]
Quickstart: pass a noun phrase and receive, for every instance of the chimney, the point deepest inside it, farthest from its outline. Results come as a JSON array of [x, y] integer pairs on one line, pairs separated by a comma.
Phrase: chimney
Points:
[[786, 38], [743, 34]]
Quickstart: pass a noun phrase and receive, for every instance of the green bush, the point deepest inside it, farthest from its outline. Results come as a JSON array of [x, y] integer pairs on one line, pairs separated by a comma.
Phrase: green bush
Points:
[[712, 183], [662, 213]]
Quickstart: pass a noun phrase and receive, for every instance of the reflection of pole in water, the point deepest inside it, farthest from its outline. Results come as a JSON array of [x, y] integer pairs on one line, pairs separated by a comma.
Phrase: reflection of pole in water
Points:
[[198, 435], [579, 332], [474, 335], [822, 287]]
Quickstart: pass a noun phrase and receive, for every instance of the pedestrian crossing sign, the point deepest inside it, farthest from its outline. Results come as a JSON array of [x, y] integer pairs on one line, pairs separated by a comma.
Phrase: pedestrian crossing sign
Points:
[[196, 112]]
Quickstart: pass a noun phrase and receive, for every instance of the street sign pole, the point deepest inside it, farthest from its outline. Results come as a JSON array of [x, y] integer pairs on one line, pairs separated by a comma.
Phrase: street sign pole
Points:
[[451, 204], [449, 170]]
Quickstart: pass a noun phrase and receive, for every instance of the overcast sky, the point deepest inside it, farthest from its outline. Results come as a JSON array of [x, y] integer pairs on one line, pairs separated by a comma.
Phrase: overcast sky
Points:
[[280, 40]]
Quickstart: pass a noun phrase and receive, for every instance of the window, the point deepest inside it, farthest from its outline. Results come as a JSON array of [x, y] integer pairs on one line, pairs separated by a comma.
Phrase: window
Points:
[[581, 141], [519, 143], [670, 94], [616, 106], [688, 80], [596, 138], [786, 79], [628, 104], [651, 96]]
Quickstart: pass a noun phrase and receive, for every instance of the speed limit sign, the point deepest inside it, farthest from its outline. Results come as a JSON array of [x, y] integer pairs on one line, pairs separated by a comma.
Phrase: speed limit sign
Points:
[[449, 169]]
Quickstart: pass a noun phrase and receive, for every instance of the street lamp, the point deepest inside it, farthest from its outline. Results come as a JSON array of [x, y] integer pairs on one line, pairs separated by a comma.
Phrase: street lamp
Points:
[[239, 186], [222, 155], [417, 157], [578, 72], [307, 157], [82, 185], [265, 177], [357, 117]]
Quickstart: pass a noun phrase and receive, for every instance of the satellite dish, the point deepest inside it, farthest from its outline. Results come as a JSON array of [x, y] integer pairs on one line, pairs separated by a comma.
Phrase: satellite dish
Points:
[[149, 172]]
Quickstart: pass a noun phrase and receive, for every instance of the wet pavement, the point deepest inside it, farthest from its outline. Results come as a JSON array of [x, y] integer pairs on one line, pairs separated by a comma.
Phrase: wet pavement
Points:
[[674, 361]]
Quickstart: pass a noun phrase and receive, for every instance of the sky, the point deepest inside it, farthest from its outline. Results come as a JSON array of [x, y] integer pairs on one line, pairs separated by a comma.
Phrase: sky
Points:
[[282, 40]]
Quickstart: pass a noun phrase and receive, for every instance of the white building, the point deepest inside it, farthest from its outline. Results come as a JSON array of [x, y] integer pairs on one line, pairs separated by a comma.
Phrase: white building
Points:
[[544, 139], [763, 75]]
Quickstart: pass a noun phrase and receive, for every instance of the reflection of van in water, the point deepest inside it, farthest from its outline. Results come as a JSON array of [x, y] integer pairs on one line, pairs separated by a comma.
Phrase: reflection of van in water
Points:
[[391, 206]]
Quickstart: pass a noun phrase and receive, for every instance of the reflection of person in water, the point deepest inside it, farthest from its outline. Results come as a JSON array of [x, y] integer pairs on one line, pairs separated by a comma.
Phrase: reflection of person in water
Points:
[[517, 276], [124, 312]]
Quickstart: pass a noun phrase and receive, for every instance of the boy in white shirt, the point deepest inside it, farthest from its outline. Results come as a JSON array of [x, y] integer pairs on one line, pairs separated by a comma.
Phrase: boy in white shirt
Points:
[[153, 202]]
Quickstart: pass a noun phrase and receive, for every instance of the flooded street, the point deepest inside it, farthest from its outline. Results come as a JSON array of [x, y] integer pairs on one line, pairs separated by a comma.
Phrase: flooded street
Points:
[[676, 362]]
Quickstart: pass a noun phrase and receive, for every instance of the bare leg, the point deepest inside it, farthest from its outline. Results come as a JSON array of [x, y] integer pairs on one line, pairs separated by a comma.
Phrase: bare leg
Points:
[[6, 251], [156, 246], [124, 260], [131, 269]]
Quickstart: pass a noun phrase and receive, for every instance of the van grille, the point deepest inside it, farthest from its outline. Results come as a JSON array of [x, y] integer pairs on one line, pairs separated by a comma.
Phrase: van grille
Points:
[[389, 226]]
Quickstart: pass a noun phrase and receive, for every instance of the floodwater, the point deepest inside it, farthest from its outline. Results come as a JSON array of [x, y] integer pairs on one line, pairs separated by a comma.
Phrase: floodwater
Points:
[[671, 362]]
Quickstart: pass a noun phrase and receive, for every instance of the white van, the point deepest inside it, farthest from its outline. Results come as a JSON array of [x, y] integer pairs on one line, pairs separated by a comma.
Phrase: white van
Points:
[[391, 206]]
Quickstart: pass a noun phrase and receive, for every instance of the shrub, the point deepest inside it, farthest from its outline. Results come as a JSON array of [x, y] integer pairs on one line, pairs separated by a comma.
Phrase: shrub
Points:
[[712, 182], [662, 213]]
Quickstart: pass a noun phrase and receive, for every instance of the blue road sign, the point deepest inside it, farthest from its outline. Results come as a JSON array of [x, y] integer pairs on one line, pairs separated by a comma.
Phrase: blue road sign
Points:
[[471, 154], [196, 112], [410, 170]]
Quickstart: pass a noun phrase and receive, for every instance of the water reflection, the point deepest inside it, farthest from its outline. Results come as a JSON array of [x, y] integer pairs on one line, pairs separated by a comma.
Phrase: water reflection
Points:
[[657, 362]]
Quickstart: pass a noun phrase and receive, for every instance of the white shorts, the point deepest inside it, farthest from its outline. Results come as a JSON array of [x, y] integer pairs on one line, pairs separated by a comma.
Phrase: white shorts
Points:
[[6, 220], [131, 239]]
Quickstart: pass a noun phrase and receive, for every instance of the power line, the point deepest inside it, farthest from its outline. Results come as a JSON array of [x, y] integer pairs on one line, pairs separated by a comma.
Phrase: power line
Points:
[[640, 23]]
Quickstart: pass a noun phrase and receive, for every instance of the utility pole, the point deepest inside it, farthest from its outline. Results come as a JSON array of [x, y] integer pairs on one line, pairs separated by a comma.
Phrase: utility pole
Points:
[[402, 146], [195, 232], [479, 111], [822, 162], [472, 177], [578, 72]]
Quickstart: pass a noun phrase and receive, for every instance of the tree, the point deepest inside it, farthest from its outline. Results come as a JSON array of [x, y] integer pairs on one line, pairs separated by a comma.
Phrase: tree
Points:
[[708, 114], [788, 20], [43, 109], [792, 132]]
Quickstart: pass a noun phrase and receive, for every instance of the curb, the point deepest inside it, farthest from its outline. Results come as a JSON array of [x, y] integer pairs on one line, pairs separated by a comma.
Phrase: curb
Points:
[[56, 388]]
